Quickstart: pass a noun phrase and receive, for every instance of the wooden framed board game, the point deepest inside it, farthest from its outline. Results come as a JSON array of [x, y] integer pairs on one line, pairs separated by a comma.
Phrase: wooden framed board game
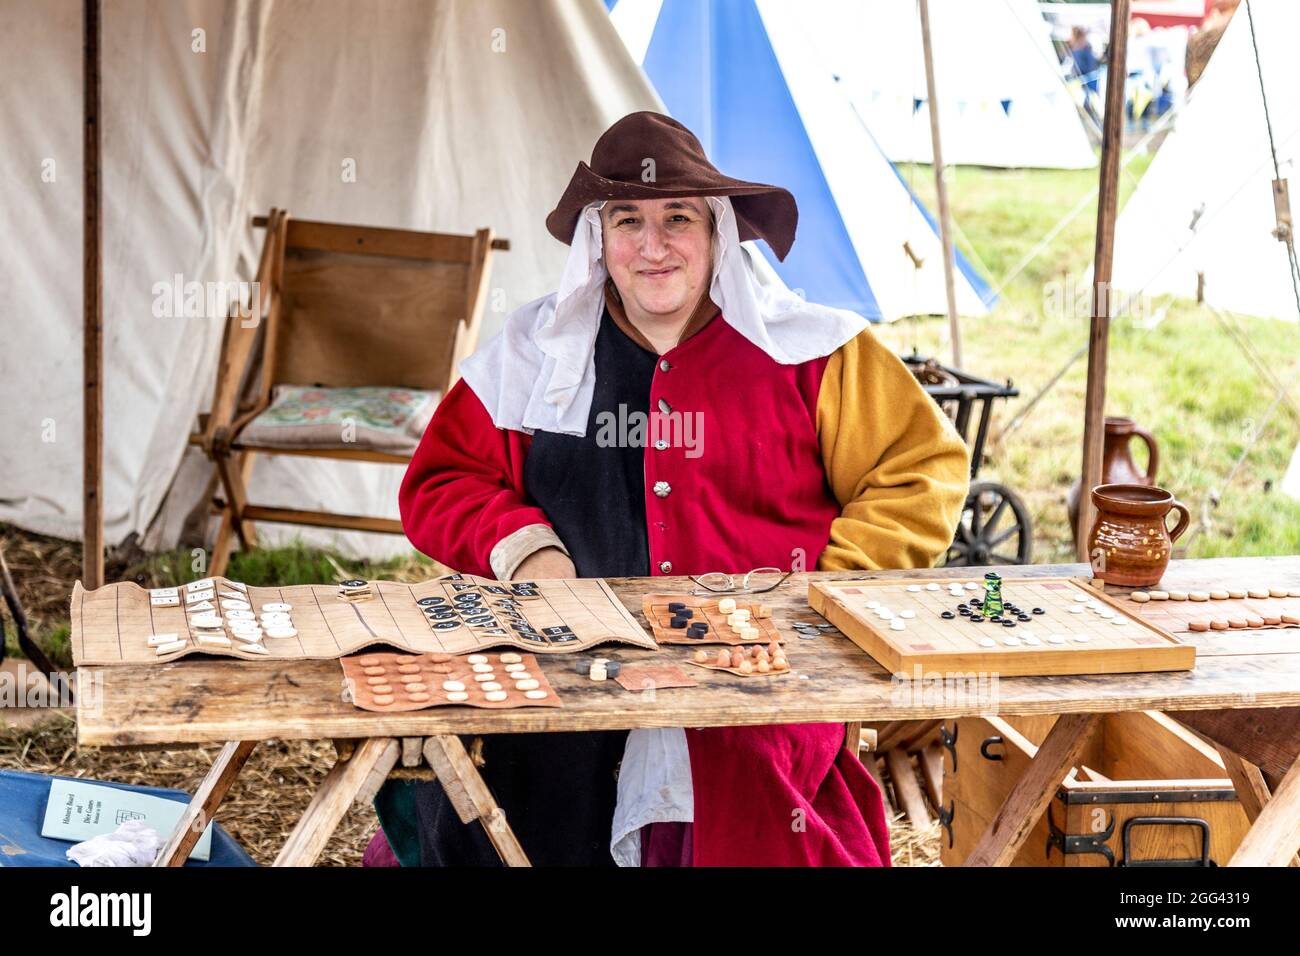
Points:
[[455, 614], [1059, 626]]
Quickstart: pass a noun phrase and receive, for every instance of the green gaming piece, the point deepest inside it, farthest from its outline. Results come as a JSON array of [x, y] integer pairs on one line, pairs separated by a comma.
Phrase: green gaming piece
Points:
[[992, 594]]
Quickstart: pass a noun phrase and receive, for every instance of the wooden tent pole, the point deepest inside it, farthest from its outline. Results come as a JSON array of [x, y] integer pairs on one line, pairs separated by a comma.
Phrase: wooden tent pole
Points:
[[945, 216], [1094, 418], [92, 560]]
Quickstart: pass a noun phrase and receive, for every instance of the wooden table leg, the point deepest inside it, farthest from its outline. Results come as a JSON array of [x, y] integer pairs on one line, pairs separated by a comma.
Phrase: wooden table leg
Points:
[[906, 790], [412, 751], [349, 779], [1252, 788], [1274, 837], [853, 736], [1032, 793], [470, 795], [204, 804], [1246, 779]]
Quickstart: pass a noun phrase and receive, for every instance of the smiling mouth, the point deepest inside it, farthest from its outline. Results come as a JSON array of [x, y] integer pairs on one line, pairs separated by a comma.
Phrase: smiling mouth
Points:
[[658, 273]]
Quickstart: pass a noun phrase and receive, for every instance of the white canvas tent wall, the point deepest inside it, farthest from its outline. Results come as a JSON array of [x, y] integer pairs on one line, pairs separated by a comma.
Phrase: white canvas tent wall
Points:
[[1002, 98], [456, 114], [1205, 204]]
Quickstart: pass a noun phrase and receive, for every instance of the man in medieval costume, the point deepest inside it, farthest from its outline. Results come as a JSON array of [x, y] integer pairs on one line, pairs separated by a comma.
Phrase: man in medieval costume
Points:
[[812, 447]]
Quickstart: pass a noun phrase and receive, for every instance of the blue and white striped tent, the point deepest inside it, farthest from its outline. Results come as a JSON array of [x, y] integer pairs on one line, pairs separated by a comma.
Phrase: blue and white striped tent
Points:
[[743, 75]]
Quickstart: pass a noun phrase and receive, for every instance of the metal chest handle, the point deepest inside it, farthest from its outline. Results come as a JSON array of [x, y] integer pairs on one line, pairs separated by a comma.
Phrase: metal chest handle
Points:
[[1201, 824]]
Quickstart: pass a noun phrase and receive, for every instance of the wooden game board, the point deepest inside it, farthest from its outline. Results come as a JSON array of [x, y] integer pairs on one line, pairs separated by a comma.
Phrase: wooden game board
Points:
[[657, 615], [1177, 617], [389, 683], [937, 645], [112, 624]]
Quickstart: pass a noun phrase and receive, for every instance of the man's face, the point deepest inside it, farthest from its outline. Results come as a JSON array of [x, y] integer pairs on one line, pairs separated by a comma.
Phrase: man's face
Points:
[[658, 252]]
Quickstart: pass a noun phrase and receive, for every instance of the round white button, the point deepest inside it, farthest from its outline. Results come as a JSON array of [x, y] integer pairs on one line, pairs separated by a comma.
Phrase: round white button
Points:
[[666, 567], [662, 489]]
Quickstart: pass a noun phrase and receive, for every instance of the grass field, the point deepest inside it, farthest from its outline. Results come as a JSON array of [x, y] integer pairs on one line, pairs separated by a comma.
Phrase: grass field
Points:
[[1185, 379]]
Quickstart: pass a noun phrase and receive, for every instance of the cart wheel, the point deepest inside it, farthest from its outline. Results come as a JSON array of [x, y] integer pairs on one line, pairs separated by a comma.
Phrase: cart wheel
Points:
[[995, 528]]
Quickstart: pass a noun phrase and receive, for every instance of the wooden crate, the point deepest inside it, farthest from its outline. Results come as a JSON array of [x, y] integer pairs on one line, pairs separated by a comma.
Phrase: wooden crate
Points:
[[1140, 770]]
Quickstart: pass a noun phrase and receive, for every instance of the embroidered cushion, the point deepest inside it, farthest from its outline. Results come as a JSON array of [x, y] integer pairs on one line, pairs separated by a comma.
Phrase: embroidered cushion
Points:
[[372, 418]]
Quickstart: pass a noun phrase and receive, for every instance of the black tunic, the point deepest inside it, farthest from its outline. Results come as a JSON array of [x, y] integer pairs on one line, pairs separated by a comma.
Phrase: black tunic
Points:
[[558, 790]]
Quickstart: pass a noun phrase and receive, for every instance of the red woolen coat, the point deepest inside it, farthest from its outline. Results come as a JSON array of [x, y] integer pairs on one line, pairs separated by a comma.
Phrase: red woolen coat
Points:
[[842, 461]]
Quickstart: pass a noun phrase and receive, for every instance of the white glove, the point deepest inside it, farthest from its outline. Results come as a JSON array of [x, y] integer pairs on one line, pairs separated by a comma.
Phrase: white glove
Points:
[[134, 843]]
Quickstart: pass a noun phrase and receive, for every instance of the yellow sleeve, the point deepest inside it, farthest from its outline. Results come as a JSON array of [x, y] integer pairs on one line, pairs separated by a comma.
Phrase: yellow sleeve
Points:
[[894, 462]]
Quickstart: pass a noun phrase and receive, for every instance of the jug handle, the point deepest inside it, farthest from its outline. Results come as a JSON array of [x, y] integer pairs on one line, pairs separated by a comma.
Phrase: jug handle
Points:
[[1184, 519], [1153, 453]]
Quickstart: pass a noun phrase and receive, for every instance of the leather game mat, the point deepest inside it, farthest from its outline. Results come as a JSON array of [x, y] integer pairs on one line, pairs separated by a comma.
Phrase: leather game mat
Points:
[[705, 608], [404, 682], [1219, 614], [454, 614]]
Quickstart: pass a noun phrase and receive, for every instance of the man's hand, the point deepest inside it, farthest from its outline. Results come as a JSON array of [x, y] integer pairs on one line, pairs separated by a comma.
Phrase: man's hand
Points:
[[543, 564]]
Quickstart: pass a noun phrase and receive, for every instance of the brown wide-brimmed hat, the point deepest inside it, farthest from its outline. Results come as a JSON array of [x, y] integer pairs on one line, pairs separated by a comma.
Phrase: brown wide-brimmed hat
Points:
[[618, 162]]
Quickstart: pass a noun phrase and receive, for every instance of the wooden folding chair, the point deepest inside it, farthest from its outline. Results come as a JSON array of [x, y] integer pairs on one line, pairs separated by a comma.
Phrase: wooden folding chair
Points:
[[339, 306]]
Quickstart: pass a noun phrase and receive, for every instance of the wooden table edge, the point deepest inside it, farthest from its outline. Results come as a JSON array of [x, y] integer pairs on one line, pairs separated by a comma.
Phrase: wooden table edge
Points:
[[424, 725]]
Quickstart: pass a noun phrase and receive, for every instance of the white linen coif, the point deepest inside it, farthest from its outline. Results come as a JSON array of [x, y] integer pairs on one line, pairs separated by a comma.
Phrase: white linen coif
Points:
[[539, 372]]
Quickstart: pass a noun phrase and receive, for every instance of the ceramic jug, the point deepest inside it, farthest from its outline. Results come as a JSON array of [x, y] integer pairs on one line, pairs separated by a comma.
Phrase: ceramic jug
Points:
[[1117, 464], [1130, 543]]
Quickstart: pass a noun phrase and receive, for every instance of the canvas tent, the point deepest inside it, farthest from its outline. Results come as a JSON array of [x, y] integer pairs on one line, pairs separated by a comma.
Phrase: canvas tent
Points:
[[1003, 101], [1204, 209], [444, 115], [745, 75]]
